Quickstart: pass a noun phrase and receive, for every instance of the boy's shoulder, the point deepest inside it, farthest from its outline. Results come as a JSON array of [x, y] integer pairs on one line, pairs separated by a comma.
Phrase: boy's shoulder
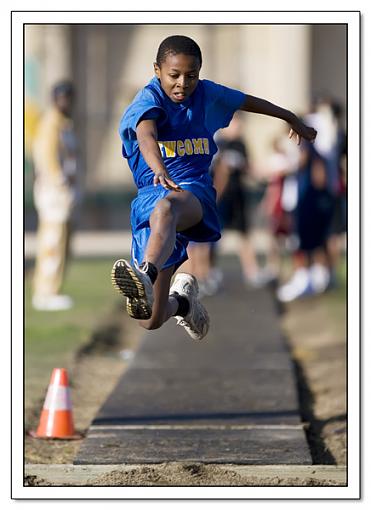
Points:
[[151, 92], [208, 83], [211, 90]]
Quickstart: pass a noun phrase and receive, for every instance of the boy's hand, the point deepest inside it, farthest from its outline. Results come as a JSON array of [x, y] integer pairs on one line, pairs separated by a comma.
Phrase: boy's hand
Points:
[[163, 178], [300, 130]]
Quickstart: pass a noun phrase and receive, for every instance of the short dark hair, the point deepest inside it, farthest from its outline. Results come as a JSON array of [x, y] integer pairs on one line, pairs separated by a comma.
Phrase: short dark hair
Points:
[[176, 44], [63, 87]]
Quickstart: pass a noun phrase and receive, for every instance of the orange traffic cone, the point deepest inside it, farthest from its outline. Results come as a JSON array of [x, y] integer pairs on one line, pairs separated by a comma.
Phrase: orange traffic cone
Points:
[[56, 417]]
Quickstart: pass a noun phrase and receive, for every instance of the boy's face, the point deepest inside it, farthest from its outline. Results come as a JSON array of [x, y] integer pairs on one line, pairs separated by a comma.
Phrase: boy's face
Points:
[[179, 76]]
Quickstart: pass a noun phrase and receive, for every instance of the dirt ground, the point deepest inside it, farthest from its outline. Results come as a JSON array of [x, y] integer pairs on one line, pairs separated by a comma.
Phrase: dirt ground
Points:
[[94, 374], [319, 355]]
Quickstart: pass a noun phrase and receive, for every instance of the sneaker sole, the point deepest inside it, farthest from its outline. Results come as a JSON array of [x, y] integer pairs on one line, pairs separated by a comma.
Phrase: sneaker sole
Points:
[[125, 280]]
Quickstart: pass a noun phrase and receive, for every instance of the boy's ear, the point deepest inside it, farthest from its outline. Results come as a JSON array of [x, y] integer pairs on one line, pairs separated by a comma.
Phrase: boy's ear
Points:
[[156, 69]]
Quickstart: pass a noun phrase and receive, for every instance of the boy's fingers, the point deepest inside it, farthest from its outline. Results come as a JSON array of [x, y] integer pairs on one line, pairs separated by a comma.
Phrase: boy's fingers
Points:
[[297, 136], [160, 179], [173, 185], [166, 182], [163, 182]]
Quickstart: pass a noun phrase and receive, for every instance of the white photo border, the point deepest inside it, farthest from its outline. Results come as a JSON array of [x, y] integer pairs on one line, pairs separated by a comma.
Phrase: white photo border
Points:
[[352, 19]]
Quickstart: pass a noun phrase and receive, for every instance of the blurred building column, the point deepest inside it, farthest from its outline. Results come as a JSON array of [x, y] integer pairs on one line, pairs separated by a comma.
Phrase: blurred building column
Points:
[[227, 60], [33, 80], [329, 59], [48, 51], [58, 61], [275, 65], [33, 55], [47, 59]]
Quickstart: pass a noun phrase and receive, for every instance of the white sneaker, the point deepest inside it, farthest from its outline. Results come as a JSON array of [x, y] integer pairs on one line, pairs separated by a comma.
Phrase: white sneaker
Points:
[[197, 321], [319, 277], [298, 286], [136, 286], [53, 303]]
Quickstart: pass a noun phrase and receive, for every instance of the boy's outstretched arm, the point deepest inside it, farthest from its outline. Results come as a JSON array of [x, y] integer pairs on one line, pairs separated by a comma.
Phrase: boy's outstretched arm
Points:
[[256, 105]]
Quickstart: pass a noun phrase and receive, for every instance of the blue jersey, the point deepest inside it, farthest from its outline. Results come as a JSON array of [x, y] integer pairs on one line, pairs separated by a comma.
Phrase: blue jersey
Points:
[[185, 130]]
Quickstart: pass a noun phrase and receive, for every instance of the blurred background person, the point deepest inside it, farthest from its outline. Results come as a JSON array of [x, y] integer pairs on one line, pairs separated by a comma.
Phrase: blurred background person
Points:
[[231, 171], [280, 201], [336, 241], [55, 192], [319, 188], [200, 263]]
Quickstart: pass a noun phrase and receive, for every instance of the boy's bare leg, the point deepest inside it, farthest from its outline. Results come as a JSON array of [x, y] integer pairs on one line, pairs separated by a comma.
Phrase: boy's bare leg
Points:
[[147, 293], [174, 213], [247, 257], [163, 306], [195, 320], [177, 212]]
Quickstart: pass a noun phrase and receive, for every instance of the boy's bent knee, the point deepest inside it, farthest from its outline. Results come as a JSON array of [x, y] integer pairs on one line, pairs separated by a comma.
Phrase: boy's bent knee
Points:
[[164, 209]]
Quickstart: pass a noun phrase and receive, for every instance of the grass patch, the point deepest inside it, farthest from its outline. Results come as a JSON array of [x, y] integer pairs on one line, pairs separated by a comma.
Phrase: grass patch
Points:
[[335, 301], [52, 338]]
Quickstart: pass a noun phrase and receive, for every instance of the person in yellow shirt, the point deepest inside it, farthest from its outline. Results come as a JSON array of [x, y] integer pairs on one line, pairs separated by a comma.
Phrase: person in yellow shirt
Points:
[[55, 164]]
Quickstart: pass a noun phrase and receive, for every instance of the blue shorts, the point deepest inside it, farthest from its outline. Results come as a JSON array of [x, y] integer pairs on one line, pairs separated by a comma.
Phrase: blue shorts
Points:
[[207, 230], [314, 214]]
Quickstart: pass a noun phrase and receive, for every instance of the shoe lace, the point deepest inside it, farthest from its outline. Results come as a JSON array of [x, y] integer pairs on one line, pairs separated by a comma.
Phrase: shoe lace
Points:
[[143, 269]]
